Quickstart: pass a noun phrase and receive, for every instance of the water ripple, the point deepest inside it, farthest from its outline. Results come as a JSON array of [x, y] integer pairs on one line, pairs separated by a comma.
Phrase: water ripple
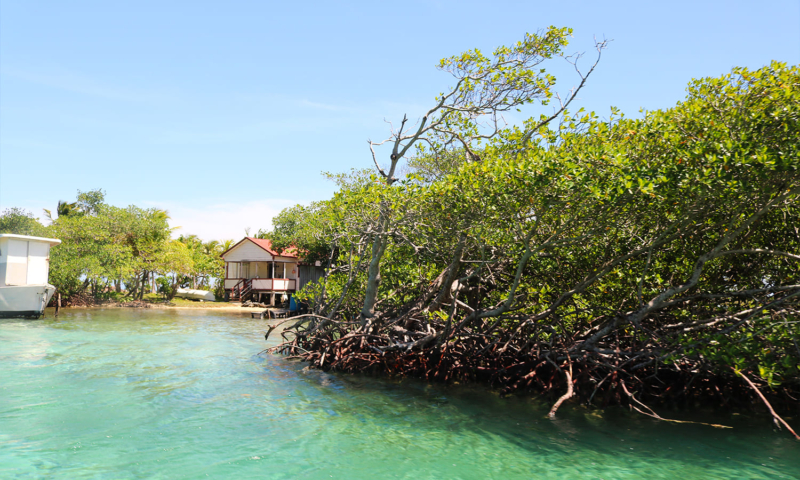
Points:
[[181, 394]]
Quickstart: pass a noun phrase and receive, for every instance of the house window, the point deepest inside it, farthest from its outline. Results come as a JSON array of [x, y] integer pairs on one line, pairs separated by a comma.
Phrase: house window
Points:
[[233, 270], [279, 270]]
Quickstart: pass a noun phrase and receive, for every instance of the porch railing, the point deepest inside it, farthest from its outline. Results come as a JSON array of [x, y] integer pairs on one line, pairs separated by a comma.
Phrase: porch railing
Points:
[[243, 290]]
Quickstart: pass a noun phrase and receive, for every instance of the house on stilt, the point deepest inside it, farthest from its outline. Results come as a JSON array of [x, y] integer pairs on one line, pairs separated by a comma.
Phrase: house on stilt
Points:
[[255, 271]]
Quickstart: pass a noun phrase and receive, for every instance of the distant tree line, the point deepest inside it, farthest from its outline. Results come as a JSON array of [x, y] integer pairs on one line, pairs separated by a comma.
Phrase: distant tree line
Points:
[[122, 253]]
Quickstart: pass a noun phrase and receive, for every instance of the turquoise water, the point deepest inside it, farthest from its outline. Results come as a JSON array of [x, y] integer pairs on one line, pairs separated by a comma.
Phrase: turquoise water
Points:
[[121, 393]]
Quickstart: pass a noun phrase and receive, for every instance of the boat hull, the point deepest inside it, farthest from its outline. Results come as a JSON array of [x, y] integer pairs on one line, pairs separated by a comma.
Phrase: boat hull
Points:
[[28, 301], [195, 294]]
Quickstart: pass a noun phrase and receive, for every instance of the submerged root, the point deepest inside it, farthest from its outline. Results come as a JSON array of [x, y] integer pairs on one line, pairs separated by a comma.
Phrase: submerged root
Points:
[[775, 417], [651, 413]]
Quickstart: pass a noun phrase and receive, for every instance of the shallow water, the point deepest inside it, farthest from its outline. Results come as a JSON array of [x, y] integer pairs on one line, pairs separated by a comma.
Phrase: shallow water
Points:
[[122, 393]]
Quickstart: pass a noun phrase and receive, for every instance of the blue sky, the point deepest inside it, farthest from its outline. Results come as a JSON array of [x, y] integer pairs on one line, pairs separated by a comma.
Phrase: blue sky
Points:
[[225, 112]]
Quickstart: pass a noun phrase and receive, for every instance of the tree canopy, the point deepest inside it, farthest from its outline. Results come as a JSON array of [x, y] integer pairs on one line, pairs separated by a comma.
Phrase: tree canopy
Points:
[[612, 254]]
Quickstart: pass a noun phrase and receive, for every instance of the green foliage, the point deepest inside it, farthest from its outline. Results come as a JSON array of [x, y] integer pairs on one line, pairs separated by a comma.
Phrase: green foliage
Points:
[[207, 264], [304, 229], [20, 222], [104, 247], [672, 238], [89, 203]]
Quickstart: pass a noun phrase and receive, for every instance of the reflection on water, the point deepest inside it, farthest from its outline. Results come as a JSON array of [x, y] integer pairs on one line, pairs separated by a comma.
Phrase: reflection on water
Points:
[[182, 394]]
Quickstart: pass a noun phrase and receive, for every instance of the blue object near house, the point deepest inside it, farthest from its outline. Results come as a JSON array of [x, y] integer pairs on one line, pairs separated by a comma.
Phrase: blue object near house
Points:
[[292, 304]]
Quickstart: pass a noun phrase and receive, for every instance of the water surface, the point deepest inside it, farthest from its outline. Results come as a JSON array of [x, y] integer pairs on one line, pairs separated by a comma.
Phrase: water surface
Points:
[[117, 393]]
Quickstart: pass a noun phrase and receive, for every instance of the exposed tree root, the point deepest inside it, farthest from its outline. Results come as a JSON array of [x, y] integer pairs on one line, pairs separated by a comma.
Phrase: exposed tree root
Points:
[[651, 413], [513, 365], [775, 417], [564, 397]]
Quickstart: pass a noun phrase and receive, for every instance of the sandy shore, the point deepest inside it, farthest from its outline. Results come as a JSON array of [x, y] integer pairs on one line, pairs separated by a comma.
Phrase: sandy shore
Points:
[[225, 307], [203, 307]]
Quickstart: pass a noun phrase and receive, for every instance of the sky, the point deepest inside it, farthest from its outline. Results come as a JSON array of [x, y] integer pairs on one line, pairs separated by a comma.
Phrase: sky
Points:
[[224, 113]]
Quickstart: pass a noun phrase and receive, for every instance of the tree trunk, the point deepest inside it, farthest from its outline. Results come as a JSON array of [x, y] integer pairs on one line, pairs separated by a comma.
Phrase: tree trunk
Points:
[[144, 283], [374, 272], [452, 272]]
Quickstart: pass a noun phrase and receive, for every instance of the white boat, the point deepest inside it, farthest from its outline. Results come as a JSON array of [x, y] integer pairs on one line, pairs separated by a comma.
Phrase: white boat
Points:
[[191, 294], [24, 268]]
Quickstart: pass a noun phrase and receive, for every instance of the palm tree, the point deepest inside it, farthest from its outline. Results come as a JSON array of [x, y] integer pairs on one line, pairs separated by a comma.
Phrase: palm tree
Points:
[[226, 245], [64, 209], [190, 240], [212, 247]]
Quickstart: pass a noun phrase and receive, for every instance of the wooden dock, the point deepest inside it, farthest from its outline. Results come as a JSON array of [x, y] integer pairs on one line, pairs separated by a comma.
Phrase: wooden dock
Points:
[[271, 313]]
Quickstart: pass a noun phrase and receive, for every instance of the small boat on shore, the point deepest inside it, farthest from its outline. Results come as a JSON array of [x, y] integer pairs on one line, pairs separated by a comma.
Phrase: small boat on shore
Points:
[[192, 294], [24, 270]]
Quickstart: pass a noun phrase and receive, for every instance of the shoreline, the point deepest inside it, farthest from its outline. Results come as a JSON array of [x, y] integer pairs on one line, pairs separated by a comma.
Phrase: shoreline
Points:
[[145, 305]]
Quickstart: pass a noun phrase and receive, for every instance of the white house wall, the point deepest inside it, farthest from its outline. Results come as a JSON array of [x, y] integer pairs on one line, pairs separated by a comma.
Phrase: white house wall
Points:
[[262, 284], [3, 252], [260, 270], [291, 271], [284, 284], [16, 262], [38, 264], [248, 251], [233, 270], [23, 262], [263, 270], [266, 284]]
